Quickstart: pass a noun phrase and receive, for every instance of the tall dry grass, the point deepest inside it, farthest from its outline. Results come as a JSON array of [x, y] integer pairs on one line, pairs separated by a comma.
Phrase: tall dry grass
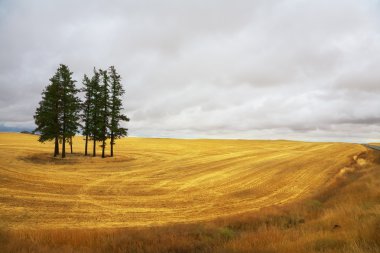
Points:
[[345, 217]]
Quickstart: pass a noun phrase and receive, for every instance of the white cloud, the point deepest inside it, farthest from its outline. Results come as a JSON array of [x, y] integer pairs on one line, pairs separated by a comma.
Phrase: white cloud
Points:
[[219, 69]]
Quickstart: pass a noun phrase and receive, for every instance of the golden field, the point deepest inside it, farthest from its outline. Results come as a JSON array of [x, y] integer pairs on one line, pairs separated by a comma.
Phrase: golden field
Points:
[[158, 181], [225, 195]]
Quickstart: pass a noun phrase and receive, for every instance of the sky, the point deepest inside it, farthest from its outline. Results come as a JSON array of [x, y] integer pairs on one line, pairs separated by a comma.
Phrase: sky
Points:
[[255, 69]]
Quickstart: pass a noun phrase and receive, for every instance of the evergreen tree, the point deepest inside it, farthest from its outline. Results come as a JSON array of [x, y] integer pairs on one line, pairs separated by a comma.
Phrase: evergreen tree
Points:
[[95, 125], [70, 106], [87, 106], [57, 116], [47, 114], [104, 109], [117, 91]]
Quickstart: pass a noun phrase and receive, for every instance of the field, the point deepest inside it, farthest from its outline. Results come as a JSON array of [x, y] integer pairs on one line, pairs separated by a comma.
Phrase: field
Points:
[[229, 192], [158, 181]]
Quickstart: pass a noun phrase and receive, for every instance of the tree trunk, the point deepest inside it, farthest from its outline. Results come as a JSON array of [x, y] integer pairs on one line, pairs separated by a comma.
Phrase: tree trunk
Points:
[[56, 147], [104, 133], [103, 147], [71, 145], [94, 148], [63, 145], [112, 139], [85, 147]]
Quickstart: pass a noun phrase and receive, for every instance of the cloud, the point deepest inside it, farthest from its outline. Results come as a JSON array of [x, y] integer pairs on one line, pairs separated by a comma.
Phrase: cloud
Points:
[[214, 69]]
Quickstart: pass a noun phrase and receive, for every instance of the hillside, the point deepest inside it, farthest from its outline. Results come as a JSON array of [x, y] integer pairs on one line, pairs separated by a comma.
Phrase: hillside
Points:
[[158, 181]]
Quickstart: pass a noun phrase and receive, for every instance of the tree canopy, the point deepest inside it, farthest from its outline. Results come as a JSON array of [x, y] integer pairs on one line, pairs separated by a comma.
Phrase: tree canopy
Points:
[[57, 116], [61, 113]]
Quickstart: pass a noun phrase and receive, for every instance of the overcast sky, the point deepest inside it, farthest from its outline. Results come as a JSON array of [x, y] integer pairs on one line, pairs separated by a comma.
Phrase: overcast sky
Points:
[[300, 69]]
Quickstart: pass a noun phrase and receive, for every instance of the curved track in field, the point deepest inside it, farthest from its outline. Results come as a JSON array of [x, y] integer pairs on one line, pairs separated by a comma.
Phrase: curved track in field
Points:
[[158, 181]]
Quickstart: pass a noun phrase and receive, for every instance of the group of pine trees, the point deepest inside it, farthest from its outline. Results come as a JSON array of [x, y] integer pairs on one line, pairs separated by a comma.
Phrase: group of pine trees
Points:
[[61, 114]]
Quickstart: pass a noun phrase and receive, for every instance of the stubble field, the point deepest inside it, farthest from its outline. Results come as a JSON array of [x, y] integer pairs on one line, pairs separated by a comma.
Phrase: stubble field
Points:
[[166, 183], [158, 181]]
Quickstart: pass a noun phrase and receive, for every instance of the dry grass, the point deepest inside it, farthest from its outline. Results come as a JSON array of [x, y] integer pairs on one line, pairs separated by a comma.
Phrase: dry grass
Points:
[[162, 195]]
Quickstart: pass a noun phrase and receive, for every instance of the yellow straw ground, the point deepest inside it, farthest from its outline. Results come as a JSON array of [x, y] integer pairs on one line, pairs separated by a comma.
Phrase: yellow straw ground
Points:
[[158, 181]]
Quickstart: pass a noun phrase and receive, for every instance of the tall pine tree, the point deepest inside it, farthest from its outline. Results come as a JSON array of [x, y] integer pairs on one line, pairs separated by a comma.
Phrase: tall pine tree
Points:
[[104, 105], [47, 114], [95, 107], [116, 107], [57, 116], [87, 106], [70, 106]]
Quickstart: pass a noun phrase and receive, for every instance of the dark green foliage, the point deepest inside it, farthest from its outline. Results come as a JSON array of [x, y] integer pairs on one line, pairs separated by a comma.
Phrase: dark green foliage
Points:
[[86, 109], [102, 116], [95, 119], [104, 112], [117, 91], [47, 114], [57, 116], [70, 106], [90, 109], [91, 128]]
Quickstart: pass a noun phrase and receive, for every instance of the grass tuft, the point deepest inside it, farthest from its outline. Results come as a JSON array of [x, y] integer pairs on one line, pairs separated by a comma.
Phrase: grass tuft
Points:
[[328, 244]]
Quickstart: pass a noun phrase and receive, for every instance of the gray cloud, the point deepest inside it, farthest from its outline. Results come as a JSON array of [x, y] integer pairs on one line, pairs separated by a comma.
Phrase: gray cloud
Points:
[[208, 69]]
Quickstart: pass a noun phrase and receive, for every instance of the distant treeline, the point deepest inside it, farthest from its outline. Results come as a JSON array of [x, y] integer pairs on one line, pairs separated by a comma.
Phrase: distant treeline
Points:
[[61, 114]]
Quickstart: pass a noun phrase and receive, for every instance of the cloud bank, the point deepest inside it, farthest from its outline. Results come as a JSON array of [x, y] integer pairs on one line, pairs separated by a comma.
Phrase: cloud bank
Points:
[[304, 70]]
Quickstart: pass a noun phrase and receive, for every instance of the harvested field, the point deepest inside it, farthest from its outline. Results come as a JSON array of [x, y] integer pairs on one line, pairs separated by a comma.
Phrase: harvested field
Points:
[[158, 181]]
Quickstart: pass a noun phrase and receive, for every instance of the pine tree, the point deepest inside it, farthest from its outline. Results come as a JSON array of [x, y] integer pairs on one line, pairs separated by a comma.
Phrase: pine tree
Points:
[[87, 106], [47, 114], [57, 116], [95, 107], [70, 106], [117, 91], [104, 109]]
